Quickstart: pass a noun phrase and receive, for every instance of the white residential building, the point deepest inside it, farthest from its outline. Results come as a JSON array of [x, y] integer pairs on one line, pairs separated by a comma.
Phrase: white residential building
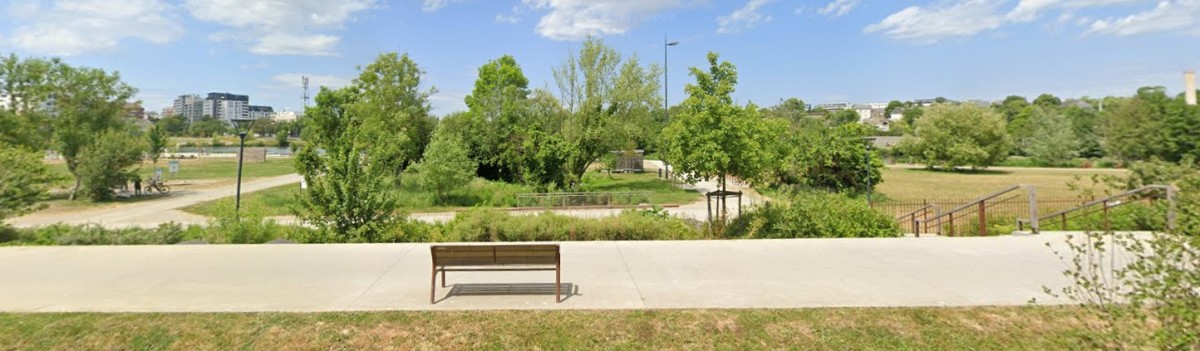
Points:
[[259, 112], [191, 107], [285, 116]]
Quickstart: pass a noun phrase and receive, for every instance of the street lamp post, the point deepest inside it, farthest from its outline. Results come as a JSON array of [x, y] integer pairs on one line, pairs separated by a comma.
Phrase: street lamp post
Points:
[[243, 129], [666, 94]]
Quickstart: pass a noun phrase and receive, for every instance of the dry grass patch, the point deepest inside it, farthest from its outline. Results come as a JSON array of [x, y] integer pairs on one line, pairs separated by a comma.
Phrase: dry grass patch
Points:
[[918, 184]]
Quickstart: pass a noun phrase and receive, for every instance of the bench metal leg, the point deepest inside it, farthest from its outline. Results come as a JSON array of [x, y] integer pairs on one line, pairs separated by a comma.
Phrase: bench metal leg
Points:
[[443, 279], [557, 282], [432, 285]]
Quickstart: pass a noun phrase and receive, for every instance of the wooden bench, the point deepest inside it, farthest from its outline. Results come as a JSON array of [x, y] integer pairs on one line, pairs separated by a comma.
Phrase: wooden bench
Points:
[[495, 258]]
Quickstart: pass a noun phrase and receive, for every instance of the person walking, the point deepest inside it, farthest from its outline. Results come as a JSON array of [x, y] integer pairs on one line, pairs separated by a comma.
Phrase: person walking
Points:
[[137, 185]]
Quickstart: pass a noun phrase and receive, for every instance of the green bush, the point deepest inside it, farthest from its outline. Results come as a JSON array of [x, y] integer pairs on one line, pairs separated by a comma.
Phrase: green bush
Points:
[[482, 225], [93, 234], [813, 215]]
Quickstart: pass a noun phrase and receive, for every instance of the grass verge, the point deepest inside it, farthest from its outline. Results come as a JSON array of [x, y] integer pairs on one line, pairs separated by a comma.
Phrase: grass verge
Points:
[[480, 193], [979, 328]]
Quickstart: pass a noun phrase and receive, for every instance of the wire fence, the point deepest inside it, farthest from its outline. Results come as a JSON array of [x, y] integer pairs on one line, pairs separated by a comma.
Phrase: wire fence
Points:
[[991, 216]]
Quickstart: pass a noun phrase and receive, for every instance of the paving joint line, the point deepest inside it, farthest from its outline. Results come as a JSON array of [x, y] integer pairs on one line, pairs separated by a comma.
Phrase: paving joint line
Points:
[[381, 275], [630, 273]]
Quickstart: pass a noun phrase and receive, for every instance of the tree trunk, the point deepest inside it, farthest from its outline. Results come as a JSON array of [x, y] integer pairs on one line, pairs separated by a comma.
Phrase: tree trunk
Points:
[[74, 190]]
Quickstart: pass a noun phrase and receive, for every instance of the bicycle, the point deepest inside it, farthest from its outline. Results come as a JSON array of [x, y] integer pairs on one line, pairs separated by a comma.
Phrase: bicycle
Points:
[[157, 184]]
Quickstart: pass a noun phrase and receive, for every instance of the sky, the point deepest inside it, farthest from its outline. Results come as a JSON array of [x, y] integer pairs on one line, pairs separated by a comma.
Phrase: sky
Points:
[[818, 50]]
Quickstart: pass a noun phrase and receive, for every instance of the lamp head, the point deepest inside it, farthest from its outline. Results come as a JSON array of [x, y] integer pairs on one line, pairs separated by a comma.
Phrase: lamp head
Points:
[[673, 43]]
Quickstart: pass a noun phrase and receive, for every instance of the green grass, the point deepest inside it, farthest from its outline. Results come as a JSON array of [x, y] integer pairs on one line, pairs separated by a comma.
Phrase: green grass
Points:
[[206, 168], [980, 328], [918, 184], [663, 192], [480, 193]]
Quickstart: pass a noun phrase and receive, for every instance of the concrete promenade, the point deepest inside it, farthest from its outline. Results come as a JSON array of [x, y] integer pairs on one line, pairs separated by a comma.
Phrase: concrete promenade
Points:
[[930, 271]]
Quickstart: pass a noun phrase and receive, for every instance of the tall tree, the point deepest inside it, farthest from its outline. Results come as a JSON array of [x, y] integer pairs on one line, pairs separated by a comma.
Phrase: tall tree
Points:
[[607, 100], [1047, 101], [24, 180], [108, 162], [391, 101], [1136, 128], [953, 136], [1052, 142], [713, 138], [88, 102], [350, 175], [445, 166], [497, 107], [156, 142]]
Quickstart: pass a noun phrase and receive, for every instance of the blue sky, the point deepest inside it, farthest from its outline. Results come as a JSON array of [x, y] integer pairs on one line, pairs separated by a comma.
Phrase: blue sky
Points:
[[817, 50]]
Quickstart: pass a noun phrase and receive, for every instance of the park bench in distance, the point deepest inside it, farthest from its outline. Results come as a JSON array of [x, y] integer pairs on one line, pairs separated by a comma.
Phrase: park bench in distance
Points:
[[495, 258]]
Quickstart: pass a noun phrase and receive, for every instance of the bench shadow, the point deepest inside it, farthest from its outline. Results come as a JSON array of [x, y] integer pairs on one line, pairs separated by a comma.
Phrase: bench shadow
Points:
[[568, 290]]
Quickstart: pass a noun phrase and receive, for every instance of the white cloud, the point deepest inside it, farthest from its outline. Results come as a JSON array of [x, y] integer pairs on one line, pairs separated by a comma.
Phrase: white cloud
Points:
[[744, 18], [1166, 16], [273, 27], [72, 27], [837, 8], [576, 19], [507, 18], [434, 5], [931, 24], [1029, 10]]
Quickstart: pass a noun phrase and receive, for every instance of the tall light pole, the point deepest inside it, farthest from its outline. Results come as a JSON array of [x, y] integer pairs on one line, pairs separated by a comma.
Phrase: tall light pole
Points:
[[243, 128], [666, 94]]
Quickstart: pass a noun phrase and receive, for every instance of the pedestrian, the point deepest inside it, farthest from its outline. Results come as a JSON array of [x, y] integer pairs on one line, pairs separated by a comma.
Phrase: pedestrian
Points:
[[137, 185]]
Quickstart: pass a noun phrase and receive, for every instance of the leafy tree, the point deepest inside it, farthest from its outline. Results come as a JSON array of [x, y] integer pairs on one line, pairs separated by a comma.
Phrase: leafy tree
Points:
[[608, 101], [89, 102], [174, 125], [712, 138], [356, 140], [792, 110], [892, 106], [959, 135], [1053, 142], [281, 138], [156, 141], [841, 117], [912, 114], [1085, 126], [107, 163], [1047, 101], [1136, 127], [391, 102], [830, 157], [24, 181], [1012, 106], [497, 110], [207, 127], [446, 164]]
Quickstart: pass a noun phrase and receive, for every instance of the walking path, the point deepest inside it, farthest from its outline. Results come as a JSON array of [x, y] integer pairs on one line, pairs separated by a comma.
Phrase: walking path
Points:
[[929, 271], [151, 213]]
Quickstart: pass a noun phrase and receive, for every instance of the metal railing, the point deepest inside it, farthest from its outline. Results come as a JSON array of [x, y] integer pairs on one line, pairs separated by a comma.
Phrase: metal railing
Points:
[[1106, 205], [604, 199], [912, 218], [945, 221]]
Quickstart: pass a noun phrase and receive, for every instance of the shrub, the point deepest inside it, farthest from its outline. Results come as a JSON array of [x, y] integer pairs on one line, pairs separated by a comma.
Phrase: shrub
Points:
[[481, 225], [813, 215], [94, 234]]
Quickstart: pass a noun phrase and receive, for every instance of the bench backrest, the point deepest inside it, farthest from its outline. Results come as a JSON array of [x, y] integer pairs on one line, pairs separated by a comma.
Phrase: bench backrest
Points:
[[493, 255]]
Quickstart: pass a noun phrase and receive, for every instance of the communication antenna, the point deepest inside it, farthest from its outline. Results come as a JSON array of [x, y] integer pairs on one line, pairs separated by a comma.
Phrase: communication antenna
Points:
[[304, 82]]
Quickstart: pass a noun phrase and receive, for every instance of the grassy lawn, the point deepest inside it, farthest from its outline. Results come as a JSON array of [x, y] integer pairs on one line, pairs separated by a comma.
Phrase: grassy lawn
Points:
[[982, 328], [207, 168], [917, 184], [663, 191], [275, 201]]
